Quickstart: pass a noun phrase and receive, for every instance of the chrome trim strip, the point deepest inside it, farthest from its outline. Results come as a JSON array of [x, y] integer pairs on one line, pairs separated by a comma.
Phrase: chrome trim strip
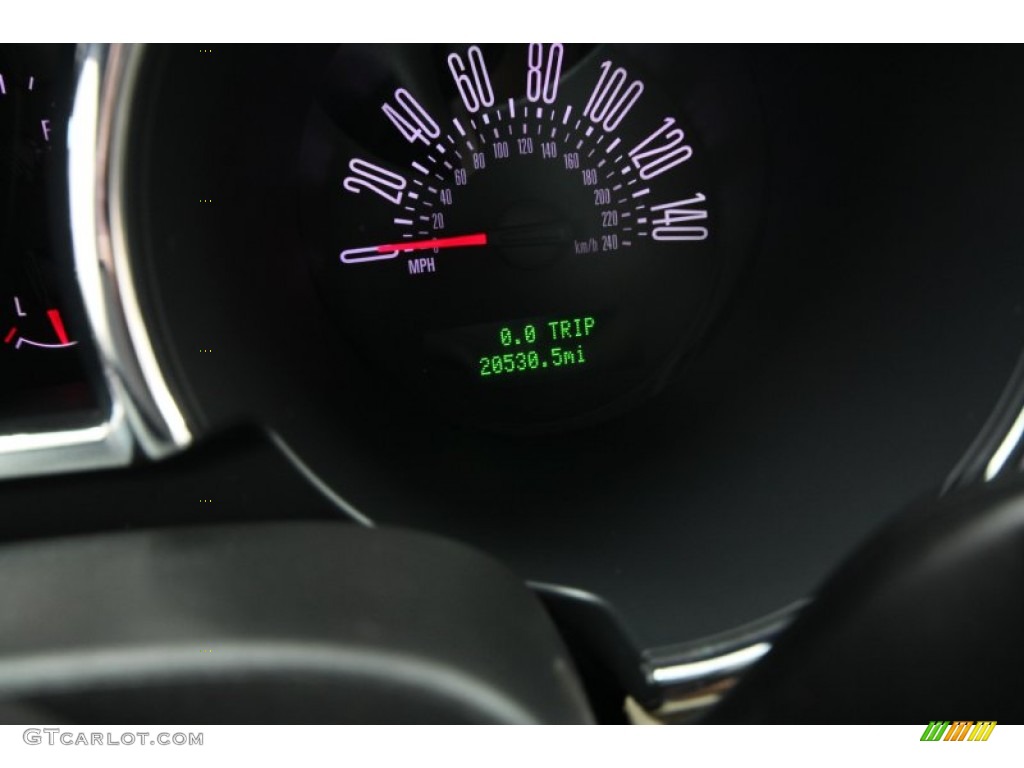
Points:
[[689, 689], [1006, 448], [996, 449], [156, 419], [317, 482], [728, 665], [692, 678], [102, 446]]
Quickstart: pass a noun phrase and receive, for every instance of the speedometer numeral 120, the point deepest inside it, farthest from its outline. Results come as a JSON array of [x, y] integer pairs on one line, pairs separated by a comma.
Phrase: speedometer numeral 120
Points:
[[657, 159]]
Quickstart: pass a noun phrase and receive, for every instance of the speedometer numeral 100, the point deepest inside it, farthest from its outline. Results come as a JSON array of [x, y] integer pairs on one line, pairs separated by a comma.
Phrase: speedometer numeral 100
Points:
[[674, 224], [471, 79], [411, 119], [609, 104], [543, 74], [366, 175], [657, 159]]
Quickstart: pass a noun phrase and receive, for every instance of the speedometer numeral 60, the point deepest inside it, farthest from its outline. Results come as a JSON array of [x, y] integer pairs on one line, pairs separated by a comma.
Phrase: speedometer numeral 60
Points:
[[411, 119], [609, 104], [543, 73], [366, 175], [472, 79]]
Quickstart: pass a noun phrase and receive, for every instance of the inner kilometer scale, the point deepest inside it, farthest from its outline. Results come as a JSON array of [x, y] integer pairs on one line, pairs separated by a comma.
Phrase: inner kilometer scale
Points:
[[574, 201]]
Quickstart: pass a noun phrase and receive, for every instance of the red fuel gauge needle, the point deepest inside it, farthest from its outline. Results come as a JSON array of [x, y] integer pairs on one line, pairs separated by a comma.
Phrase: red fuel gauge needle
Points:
[[390, 250], [58, 325]]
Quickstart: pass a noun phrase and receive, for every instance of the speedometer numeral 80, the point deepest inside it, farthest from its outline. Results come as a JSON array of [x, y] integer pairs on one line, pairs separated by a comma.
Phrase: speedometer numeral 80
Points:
[[543, 73]]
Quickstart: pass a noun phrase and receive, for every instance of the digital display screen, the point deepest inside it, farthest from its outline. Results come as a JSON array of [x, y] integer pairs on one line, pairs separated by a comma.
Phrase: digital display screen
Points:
[[530, 348], [531, 366], [525, 351]]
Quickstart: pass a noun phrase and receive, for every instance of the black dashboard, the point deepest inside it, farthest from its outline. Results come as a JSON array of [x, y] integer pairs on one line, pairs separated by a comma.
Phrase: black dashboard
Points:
[[669, 331]]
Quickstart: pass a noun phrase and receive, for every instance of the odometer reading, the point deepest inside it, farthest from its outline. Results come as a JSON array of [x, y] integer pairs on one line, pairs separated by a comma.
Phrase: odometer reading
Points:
[[524, 352], [539, 181]]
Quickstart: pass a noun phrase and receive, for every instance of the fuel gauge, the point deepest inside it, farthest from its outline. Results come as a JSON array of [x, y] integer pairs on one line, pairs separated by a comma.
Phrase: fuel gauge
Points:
[[42, 373], [31, 331]]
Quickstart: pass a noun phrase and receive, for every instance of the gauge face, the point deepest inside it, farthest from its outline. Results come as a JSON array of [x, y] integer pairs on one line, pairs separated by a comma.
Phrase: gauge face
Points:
[[523, 236], [43, 369]]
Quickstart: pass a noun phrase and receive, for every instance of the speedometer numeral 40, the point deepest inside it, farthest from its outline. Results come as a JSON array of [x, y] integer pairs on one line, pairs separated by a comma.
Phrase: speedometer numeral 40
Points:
[[411, 119]]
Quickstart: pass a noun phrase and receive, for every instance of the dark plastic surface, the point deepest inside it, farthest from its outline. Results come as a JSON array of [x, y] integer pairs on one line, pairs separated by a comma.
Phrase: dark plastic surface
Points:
[[237, 477], [285, 623], [924, 622]]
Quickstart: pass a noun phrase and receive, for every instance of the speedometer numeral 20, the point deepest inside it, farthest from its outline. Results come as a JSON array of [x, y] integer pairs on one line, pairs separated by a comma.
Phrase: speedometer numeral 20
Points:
[[366, 175]]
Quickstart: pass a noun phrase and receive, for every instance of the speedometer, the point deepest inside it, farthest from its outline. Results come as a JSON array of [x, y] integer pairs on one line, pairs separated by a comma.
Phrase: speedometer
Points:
[[524, 236]]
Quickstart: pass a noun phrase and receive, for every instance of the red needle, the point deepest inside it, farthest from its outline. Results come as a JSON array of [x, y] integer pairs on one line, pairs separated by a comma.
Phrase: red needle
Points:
[[391, 250], [58, 325], [462, 241]]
